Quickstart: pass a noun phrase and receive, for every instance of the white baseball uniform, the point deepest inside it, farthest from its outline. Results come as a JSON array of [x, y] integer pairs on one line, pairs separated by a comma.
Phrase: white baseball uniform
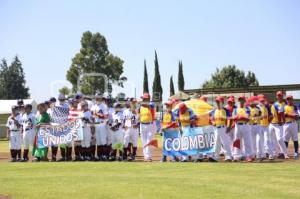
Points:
[[101, 124], [28, 121], [15, 136], [131, 131], [87, 132], [243, 134]]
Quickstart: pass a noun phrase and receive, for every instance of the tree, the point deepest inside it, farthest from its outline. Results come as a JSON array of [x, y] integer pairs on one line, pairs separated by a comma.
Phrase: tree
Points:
[[172, 90], [12, 80], [94, 57], [65, 90], [145, 83], [231, 77], [157, 88], [180, 77]]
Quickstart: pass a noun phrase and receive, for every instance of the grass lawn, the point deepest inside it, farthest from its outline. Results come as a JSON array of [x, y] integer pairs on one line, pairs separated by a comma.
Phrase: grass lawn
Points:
[[154, 180], [149, 180]]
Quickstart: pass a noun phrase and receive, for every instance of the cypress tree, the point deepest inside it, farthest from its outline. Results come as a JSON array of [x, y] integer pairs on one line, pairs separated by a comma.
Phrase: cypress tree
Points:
[[172, 90], [180, 77], [157, 88], [145, 83]]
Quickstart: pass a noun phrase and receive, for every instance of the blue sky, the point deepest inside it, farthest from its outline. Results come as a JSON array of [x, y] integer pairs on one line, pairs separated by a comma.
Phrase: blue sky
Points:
[[262, 36]]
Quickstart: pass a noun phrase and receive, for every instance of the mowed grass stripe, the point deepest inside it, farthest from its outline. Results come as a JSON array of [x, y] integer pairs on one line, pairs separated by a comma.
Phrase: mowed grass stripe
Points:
[[140, 180]]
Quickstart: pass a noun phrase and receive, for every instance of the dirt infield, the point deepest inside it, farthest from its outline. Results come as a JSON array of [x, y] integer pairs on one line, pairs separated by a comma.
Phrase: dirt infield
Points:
[[157, 155]]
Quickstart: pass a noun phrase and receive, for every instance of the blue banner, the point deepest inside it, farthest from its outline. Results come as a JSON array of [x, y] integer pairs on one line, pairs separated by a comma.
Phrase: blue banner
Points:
[[188, 142], [54, 135]]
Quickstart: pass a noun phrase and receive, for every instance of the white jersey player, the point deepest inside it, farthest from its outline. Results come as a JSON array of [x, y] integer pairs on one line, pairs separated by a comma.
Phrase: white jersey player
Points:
[[14, 131], [28, 122]]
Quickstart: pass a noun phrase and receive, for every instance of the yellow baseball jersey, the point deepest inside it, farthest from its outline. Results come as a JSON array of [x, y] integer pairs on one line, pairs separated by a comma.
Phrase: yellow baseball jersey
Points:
[[277, 108], [220, 116], [265, 113], [254, 114], [167, 119], [242, 112], [145, 115], [185, 118], [290, 110]]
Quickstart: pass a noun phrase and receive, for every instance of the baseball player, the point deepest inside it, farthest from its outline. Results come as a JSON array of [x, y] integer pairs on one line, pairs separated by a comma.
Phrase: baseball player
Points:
[[100, 114], [116, 128], [42, 119], [230, 107], [290, 128], [276, 126], [242, 132], [74, 114], [131, 135], [62, 101], [28, 122], [186, 118], [266, 117], [147, 118], [87, 119], [14, 130], [257, 134], [219, 117], [168, 121]]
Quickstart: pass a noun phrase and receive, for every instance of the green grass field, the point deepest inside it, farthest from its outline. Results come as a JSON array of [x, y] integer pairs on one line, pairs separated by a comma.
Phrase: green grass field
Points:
[[149, 180]]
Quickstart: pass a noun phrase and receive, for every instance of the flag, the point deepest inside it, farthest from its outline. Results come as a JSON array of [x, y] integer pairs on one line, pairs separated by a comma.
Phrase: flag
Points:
[[59, 115], [237, 144], [152, 143], [118, 146]]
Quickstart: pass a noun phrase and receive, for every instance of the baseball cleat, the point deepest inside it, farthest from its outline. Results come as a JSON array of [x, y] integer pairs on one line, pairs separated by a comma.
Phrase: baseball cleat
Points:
[[296, 155]]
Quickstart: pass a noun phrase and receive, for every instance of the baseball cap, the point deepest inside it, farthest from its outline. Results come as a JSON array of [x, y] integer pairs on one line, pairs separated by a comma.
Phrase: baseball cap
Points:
[[279, 93], [14, 107], [78, 96], [61, 96], [52, 99], [146, 96], [203, 98], [289, 97], [20, 101], [219, 99], [168, 103], [230, 99], [242, 98], [98, 95]]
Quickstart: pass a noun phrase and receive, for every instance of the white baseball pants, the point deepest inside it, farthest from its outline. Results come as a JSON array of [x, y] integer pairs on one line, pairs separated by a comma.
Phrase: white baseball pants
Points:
[[146, 136], [87, 137], [258, 140], [131, 136], [28, 138], [243, 133], [15, 140], [277, 130], [102, 133], [222, 138], [290, 131]]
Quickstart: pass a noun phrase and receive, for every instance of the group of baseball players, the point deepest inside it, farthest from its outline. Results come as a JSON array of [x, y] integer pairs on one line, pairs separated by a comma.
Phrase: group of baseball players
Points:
[[106, 127], [252, 129]]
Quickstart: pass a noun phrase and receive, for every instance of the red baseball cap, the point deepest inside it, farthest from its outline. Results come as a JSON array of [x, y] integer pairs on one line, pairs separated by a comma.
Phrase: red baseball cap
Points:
[[146, 96], [242, 98], [169, 103], [230, 99], [204, 98], [279, 93], [219, 99], [289, 97]]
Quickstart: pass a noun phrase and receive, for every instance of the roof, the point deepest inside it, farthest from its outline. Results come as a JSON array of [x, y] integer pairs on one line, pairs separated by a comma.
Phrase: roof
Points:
[[5, 105], [267, 88]]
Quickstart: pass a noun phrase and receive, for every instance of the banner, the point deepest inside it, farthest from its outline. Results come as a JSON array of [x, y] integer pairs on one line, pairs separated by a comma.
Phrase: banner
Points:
[[54, 135], [190, 142]]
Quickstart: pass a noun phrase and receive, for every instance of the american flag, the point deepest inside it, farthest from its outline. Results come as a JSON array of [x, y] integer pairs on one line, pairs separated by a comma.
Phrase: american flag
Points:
[[59, 115]]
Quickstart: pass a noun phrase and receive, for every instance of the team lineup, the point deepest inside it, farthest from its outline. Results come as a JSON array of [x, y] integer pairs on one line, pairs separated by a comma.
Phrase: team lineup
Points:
[[248, 130]]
